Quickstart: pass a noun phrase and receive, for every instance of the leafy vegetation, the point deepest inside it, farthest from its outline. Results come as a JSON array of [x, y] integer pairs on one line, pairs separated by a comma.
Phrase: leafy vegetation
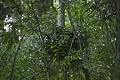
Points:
[[58, 40]]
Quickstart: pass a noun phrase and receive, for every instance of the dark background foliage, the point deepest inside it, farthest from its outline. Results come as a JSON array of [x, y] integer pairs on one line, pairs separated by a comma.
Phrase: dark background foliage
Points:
[[34, 47]]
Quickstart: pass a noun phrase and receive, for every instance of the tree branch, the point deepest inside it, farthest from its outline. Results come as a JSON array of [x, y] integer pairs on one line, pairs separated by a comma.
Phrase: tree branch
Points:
[[16, 53]]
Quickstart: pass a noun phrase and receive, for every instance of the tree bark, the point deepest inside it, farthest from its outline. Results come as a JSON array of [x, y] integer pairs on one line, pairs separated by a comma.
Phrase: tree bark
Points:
[[117, 57], [61, 12]]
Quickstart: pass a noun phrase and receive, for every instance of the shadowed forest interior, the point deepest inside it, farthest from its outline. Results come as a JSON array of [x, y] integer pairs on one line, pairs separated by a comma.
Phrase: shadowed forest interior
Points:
[[59, 39]]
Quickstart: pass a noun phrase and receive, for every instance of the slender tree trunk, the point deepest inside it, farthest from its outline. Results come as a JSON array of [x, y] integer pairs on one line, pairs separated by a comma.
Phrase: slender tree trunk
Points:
[[61, 23], [70, 17], [61, 12], [77, 41], [117, 61], [66, 72]]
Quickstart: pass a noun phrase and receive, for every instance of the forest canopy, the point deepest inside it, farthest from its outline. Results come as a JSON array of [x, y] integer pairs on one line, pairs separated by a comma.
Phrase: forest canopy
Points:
[[59, 39]]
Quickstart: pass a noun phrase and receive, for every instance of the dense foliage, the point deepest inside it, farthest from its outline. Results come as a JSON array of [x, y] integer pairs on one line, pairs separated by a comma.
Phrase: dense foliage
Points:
[[34, 47]]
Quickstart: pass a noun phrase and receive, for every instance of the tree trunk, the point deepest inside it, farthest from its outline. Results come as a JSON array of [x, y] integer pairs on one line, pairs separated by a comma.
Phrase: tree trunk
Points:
[[117, 58], [77, 42], [61, 11], [61, 23]]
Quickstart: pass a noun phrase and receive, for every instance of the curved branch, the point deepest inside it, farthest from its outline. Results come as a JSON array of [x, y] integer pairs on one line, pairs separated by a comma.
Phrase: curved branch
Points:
[[16, 53]]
